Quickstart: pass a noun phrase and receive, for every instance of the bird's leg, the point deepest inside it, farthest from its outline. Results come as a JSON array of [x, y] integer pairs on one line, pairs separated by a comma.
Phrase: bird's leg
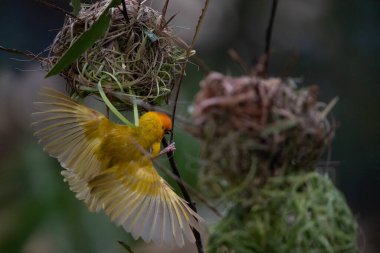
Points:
[[169, 148], [155, 151]]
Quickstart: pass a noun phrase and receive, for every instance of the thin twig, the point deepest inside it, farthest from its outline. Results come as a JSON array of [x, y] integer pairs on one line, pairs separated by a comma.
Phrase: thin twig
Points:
[[164, 9], [126, 246], [201, 64], [164, 23], [198, 240], [194, 192], [264, 61], [176, 172], [26, 54], [125, 13], [185, 193], [57, 8], [188, 53], [236, 57]]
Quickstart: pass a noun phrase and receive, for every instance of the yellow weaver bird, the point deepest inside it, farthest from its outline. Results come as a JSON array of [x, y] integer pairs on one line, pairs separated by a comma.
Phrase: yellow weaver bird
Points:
[[109, 166]]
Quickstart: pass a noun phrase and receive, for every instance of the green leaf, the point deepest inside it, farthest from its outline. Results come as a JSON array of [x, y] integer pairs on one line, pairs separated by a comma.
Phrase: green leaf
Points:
[[76, 6], [84, 42], [111, 107]]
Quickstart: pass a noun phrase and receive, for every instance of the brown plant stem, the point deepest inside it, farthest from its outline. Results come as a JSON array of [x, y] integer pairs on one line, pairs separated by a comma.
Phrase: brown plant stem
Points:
[[263, 64], [185, 193], [164, 9], [57, 8], [125, 13], [188, 53], [26, 54]]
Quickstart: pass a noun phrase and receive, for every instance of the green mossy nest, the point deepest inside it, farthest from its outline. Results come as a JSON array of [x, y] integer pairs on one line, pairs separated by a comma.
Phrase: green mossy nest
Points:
[[291, 214], [252, 129], [140, 58]]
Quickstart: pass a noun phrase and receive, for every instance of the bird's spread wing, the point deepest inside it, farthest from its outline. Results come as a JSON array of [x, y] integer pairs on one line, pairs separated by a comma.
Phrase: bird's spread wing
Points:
[[137, 198], [131, 193], [72, 133]]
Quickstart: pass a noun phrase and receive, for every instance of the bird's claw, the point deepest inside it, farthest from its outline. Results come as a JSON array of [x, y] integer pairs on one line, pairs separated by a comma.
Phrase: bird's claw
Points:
[[170, 148]]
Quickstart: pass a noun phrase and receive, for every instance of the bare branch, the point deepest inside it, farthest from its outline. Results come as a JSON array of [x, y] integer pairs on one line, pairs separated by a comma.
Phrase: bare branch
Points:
[[26, 54], [57, 8], [263, 64]]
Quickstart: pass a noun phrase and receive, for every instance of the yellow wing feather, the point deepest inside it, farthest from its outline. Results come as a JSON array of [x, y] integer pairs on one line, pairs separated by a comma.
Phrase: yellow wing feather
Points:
[[71, 133], [144, 204], [105, 167]]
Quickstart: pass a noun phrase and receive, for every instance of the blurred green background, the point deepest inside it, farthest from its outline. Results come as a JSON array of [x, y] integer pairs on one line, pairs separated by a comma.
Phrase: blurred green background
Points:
[[335, 44]]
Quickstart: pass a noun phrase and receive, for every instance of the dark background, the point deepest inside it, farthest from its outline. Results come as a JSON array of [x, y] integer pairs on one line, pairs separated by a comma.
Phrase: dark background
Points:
[[335, 44]]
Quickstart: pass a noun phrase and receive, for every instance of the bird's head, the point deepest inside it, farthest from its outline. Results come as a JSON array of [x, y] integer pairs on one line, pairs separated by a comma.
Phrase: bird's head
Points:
[[158, 119], [166, 121]]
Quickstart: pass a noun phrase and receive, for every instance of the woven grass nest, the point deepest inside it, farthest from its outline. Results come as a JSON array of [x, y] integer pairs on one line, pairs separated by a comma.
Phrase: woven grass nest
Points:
[[140, 58], [252, 128], [295, 213]]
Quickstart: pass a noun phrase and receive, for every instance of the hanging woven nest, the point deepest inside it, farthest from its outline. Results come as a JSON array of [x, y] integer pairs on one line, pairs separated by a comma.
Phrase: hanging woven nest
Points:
[[252, 128], [290, 214], [140, 57]]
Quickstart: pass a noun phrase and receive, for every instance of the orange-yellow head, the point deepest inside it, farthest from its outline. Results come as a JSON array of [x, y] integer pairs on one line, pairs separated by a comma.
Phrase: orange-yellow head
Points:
[[156, 120], [153, 126], [166, 121]]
